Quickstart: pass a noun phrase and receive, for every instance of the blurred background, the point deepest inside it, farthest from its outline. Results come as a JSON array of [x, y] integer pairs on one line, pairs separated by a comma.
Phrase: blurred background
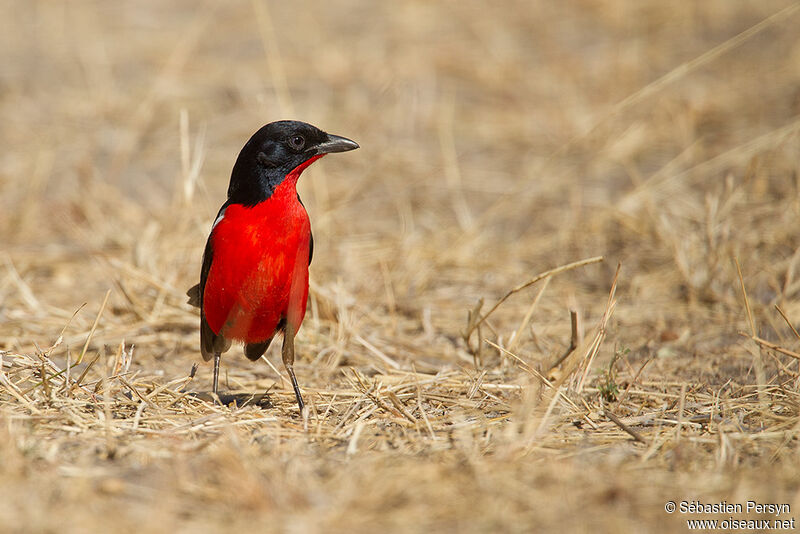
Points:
[[498, 140], [531, 134]]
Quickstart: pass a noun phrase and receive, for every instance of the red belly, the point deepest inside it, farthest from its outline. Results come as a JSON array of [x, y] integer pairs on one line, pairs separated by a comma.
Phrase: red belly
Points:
[[259, 271]]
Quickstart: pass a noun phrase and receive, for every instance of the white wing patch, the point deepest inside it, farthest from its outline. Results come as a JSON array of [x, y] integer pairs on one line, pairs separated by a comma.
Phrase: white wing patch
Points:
[[221, 216]]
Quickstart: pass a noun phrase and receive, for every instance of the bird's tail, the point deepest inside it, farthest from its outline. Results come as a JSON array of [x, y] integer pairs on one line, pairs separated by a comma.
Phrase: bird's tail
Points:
[[194, 296]]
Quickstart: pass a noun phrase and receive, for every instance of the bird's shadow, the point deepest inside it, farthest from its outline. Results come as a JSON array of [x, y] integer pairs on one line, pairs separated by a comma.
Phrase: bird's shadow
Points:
[[261, 400]]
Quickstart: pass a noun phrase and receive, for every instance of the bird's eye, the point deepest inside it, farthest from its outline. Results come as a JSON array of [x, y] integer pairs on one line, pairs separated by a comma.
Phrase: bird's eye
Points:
[[297, 142]]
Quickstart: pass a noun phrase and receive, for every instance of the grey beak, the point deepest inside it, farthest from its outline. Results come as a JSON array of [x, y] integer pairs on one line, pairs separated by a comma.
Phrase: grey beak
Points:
[[335, 143]]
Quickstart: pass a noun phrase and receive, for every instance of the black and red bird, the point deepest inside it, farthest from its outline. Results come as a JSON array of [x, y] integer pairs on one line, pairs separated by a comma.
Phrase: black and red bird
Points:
[[254, 279]]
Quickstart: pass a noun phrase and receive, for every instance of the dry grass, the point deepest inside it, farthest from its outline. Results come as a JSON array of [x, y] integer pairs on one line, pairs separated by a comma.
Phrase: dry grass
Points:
[[498, 143]]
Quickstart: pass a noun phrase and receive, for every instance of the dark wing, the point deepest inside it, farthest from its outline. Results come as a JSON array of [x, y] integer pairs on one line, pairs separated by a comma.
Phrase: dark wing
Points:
[[209, 341], [310, 235], [207, 336], [310, 246]]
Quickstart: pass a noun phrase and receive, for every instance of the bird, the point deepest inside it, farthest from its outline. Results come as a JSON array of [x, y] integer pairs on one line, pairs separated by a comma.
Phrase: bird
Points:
[[254, 275]]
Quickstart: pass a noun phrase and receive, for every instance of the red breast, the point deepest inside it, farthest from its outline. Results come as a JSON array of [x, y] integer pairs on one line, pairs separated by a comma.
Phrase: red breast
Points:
[[259, 274]]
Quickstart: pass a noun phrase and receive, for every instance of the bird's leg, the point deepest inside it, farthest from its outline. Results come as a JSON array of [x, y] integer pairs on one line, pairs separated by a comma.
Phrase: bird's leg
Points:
[[216, 372], [288, 362]]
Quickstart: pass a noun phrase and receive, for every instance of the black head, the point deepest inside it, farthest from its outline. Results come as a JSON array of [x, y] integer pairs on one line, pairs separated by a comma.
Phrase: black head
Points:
[[275, 151]]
